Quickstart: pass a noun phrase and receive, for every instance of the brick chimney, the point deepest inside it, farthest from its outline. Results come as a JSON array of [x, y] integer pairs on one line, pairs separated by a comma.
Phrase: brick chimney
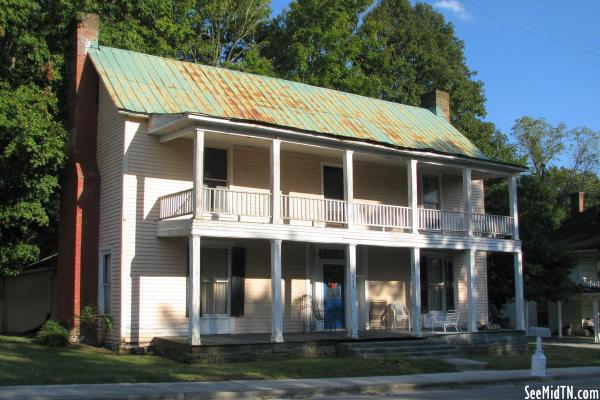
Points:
[[577, 203], [438, 102], [77, 276]]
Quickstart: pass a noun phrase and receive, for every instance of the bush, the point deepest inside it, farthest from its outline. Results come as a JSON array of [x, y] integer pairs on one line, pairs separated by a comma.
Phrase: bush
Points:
[[93, 326], [52, 334]]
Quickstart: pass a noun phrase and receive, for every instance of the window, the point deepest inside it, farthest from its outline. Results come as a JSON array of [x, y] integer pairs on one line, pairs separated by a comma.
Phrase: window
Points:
[[333, 182], [431, 192], [437, 284], [106, 271], [215, 281], [215, 167]]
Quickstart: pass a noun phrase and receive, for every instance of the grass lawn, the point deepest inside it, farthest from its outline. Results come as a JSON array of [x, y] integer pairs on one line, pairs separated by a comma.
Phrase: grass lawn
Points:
[[556, 357], [25, 363]]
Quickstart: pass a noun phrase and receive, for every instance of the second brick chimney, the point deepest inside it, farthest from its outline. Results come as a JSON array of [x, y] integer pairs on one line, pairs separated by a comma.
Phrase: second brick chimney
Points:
[[438, 102]]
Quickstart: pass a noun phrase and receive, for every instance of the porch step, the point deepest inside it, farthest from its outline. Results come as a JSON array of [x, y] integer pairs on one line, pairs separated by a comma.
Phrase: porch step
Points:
[[391, 349]]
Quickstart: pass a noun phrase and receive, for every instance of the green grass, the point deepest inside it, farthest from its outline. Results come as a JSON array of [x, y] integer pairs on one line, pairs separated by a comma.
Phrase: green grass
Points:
[[25, 363], [556, 357]]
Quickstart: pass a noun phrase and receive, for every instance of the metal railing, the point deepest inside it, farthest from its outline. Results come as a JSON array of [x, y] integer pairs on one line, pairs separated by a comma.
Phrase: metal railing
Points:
[[382, 215], [314, 209]]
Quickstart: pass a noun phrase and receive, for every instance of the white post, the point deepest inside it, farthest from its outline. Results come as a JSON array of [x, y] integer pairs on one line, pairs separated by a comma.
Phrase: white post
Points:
[[467, 198], [308, 289], [276, 319], [519, 293], [198, 172], [194, 291], [276, 181], [351, 293], [364, 256], [559, 315], [596, 319], [411, 167], [415, 289], [512, 198], [349, 187], [472, 290]]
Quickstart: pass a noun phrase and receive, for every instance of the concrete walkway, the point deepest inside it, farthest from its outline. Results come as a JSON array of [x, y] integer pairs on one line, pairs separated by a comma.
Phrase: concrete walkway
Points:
[[281, 388]]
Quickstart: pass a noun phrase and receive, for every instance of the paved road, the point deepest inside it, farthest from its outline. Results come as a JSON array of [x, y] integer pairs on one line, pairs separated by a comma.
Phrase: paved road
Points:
[[506, 391]]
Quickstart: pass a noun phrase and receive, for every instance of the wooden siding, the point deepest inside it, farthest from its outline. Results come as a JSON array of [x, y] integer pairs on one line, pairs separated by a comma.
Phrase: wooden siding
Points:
[[110, 166], [460, 281]]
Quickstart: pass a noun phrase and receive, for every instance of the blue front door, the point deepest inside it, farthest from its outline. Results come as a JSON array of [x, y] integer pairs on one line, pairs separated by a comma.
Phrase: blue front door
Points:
[[333, 295]]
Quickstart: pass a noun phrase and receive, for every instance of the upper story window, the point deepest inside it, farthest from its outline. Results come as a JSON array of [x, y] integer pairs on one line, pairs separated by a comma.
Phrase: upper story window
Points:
[[215, 167], [333, 182], [431, 192]]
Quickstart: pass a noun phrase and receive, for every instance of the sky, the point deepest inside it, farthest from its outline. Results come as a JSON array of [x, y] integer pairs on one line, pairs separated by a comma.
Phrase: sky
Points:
[[536, 57]]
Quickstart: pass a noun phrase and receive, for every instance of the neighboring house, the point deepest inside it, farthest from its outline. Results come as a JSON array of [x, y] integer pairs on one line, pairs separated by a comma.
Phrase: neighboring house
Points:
[[580, 233], [201, 200], [26, 299]]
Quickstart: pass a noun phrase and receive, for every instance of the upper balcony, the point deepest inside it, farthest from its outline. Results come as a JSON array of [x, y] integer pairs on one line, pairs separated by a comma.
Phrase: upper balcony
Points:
[[332, 188]]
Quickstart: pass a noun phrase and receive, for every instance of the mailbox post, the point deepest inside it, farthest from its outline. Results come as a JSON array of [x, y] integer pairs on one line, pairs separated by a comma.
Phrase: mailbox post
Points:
[[538, 359]]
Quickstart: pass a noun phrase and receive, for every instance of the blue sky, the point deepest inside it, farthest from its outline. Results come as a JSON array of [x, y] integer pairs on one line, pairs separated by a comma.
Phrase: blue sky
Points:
[[536, 57]]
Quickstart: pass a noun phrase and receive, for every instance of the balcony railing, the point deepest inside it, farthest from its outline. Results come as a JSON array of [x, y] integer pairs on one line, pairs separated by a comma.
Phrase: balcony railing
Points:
[[590, 284], [314, 209]]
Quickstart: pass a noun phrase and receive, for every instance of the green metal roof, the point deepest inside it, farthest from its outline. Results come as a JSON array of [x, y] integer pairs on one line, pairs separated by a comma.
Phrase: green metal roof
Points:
[[148, 84]]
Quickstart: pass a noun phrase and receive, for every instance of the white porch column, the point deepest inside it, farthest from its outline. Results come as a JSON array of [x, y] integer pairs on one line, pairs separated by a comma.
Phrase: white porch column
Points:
[[276, 181], [194, 290], [349, 186], [411, 167], [596, 320], [276, 319], [364, 260], [351, 296], [512, 199], [559, 316], [308, 288], [415, 289], [519, 292], [471, 290], [467, 198], [198, 167]]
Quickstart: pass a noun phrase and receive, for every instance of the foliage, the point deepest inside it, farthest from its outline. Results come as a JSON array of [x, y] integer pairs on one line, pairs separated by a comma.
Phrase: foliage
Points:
[[52, 334], [32, 141], [93, 326]]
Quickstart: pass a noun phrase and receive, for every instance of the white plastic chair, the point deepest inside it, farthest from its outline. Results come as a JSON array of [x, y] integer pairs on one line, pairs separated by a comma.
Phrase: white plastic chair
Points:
[[400, 314], [451, 320]]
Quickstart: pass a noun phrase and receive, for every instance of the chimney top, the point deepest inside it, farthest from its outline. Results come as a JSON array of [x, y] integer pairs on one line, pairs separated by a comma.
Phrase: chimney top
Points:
[[577, 203], [438, 102]]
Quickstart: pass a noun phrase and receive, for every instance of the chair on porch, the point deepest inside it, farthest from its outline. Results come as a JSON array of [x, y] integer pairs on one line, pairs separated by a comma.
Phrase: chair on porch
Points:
[[378, 312], [320, 316], [451, 321], [400, 315]]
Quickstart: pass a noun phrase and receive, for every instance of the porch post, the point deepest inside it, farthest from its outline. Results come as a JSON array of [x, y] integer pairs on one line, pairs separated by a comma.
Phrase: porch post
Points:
[[596, 320], [308, 289], [276, 319], [276, 181], [467, 198], [351, 294], [519, 295], [411, 167], [194, 290], [198, 171], [512, 198], [415, 289], [559, 315], [349, 187], [472, 290]]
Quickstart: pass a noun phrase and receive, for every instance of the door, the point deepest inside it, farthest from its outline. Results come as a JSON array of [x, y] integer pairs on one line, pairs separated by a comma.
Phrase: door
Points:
[[333, 294], [333, 189]]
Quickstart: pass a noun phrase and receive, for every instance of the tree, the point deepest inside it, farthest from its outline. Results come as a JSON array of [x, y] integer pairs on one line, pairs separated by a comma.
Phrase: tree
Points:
[[539, 141], [32, 142]]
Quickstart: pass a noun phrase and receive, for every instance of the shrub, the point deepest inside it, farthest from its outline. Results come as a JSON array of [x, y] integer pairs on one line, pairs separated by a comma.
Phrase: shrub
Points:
[[52, 334], [93, 326]]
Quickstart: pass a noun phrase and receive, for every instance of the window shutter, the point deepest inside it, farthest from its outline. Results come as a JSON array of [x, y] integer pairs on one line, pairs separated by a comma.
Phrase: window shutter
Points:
[[238, 278], [449, 285], [424, 286]]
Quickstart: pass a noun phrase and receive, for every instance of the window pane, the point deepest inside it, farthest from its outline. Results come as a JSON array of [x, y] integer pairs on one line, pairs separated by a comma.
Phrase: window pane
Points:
[[435, 298], [434, 271], [215, 164], [215, 281], [333, 183], [107, 299], [107, 268], [431, 191]]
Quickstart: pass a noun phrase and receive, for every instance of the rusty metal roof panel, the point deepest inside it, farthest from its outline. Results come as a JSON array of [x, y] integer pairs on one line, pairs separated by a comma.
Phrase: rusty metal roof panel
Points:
[[148, 84]]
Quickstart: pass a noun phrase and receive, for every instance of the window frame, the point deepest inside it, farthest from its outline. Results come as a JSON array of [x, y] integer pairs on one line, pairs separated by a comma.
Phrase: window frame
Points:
[[422, 191], [228, 162], [322, 172], [445, 259], [102, 284]]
